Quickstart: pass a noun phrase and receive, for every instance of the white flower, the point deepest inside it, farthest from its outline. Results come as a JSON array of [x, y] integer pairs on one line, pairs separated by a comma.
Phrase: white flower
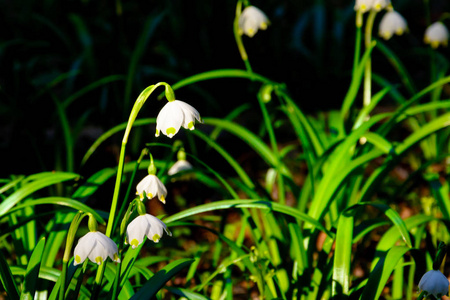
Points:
[[174, 115], [435, 283], [252, 19], [366, 5], [153, 187], [180, 165], [97, 247], [392, 22], [145, 225], [436, 34]]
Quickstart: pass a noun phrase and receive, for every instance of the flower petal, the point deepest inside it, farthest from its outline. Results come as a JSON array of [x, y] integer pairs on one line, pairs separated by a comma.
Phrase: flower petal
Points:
[[136, 231], [83, 248], [169, 119]]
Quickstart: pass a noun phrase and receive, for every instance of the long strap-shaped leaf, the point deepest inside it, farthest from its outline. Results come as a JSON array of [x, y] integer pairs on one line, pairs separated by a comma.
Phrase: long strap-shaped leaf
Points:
[[7, 279], [339, 167], [226, 204], [379, 174], [32, 273], [151, 287], [380, 275], [45, 180], [252, 140]]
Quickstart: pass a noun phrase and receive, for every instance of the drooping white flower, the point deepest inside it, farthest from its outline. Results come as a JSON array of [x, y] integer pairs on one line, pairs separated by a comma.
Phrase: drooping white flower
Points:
[[180, 165], [435, 283], [97, 247], [145, 225], [175, 114], [251, 20], [392, 22], [153, 187], [366, 5], [436, 34]]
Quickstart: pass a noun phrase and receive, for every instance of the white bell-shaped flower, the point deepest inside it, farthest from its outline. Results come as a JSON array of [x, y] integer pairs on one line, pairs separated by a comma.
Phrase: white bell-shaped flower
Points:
[[392, 22], [175, 114], [434, 283], [366, 5], [97, 247], [179, 166], [436, 34], [145, 225], [153, 187], [251, 20]]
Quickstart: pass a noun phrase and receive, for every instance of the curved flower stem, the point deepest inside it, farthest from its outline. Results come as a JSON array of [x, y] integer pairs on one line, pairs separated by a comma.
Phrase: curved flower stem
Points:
[[144, 152], [69, 242], [368, 67], [238, 38], [134, 112]]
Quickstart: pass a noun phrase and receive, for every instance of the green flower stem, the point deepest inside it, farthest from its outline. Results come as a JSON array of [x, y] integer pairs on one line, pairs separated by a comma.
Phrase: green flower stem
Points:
[[134, 112], [238, 38], [274, 144], [69, 243], [357, 42], [144, 152], [116, 288], [368, 67]]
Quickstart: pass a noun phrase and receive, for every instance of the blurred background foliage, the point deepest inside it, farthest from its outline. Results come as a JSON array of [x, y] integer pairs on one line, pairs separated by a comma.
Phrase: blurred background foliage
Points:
[[81, 64]]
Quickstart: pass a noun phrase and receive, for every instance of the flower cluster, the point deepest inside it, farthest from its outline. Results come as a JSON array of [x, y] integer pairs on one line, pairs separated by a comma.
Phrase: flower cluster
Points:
[[97, 246]]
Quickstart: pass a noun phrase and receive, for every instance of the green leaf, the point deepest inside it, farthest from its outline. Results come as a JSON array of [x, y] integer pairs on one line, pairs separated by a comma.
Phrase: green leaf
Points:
[[32, 273], [342, 256], [379, 142], [382, 271], [7, 279], [42, 180], [61, 201], [253, 141], [186, 293], [152, 286], [227, 204]]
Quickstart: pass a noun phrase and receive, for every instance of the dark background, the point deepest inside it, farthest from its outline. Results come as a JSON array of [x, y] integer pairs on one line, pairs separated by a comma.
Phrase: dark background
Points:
[[50, 50]]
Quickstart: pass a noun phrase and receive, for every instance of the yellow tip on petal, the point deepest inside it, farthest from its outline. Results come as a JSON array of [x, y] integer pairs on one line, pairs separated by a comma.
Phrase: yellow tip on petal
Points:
[[399, 31], [99, 260], [191, 125], [385, 35], [77, 259], [435, 44], [157, 133], [263, 26], [141, 196], [363, 7], [162, 199], [134, 243], [116, 257], [156, 238], [170, 131]]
